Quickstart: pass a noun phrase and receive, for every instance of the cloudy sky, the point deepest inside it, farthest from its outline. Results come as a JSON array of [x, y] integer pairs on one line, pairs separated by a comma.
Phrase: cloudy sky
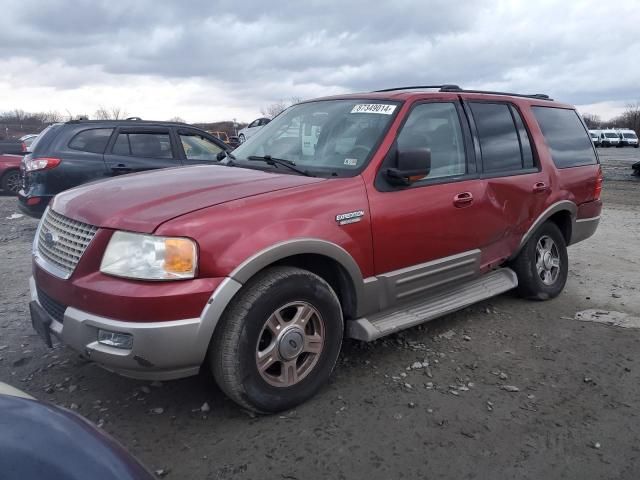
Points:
[[208, 60]]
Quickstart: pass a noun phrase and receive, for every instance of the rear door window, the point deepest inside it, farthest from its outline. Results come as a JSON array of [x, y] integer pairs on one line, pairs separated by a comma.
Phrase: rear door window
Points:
[[566, 137], [504, 141], [94, 140], [143, 144]]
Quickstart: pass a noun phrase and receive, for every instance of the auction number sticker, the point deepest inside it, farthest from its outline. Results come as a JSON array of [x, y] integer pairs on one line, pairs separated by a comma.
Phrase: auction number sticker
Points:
[[373, 108]]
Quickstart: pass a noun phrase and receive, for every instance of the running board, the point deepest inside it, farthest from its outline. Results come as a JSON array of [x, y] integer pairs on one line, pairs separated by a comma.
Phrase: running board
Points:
[[415, 313]]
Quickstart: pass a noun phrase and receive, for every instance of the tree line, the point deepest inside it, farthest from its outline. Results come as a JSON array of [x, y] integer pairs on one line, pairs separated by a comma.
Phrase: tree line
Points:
[[629, 118]]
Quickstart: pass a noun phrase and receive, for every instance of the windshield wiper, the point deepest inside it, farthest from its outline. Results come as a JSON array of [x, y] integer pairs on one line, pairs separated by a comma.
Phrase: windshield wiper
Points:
[[279, 161]]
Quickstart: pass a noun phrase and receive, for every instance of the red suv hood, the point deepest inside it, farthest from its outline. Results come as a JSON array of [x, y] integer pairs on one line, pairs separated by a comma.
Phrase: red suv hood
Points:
[[141, 202]]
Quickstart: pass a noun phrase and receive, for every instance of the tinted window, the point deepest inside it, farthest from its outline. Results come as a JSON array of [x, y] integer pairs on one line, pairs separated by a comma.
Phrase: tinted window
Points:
[[436, 126], [94, 140], [499, 141], [197, 147], [149, 145], [121, 147], [525, 143], [566, 137]]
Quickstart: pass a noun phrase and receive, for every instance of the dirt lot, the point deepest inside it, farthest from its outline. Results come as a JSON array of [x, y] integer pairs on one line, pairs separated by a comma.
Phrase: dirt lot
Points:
[[514, 389]]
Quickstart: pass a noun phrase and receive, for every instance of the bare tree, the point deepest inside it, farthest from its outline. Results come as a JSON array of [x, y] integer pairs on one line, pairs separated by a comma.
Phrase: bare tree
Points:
[[177, 119], [112, 113], [592, 120], [275, 109]]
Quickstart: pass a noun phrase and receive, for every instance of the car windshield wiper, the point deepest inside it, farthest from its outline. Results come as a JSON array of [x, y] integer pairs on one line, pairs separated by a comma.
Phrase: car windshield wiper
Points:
[[279, 161]]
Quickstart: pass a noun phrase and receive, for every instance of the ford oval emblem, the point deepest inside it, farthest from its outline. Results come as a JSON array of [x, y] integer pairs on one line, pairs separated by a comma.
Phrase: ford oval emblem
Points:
[[50, 239]]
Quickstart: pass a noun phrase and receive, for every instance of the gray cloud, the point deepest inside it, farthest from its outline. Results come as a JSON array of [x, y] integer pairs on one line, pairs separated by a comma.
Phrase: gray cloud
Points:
[[264, 51]]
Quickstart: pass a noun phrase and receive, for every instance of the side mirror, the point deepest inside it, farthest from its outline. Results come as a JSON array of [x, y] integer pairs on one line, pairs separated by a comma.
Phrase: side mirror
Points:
[[220, 156], [412, 164]]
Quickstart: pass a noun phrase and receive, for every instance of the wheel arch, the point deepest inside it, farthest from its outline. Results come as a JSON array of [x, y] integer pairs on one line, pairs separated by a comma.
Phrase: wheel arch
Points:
[[327, 260], [562, 213]]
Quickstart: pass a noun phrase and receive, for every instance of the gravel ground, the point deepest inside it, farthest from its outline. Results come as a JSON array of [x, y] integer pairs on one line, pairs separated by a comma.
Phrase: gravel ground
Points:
[[513, 389]]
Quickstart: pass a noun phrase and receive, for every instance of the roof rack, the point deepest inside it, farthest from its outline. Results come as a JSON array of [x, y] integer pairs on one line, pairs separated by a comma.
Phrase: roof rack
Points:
[[456, 88], [443, 88]]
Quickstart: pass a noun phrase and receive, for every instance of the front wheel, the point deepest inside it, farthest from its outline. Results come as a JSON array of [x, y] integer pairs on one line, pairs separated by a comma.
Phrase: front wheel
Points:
[[278, 341], [543, 264]]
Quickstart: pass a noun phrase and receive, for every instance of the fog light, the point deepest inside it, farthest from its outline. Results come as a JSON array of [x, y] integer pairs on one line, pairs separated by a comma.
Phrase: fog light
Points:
[[115, 339]]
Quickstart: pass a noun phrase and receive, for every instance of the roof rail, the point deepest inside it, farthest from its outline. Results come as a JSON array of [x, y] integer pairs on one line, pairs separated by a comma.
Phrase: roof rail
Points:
[[456, 88], [420, 87], [539, 96]]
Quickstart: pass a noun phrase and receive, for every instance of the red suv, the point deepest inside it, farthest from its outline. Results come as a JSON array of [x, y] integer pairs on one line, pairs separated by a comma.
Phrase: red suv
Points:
[[356, 215]]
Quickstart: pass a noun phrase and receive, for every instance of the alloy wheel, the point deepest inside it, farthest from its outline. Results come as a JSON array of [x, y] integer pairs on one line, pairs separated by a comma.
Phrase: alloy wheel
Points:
[[290, 344]]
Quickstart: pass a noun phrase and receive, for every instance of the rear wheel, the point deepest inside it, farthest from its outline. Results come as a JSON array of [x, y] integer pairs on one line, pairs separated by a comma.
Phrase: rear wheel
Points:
[[241, 138], [542, 265], [278, 341], [11, 181]]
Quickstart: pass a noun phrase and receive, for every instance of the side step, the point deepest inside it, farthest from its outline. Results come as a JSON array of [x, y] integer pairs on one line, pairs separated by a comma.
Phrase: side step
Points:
[[415, 313]]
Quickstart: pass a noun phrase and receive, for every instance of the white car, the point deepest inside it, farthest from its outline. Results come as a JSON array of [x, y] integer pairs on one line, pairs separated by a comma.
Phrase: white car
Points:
[[252, 128]]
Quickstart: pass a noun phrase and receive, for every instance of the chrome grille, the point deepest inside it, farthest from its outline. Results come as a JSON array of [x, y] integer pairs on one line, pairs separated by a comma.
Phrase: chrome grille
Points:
[[62, 241]]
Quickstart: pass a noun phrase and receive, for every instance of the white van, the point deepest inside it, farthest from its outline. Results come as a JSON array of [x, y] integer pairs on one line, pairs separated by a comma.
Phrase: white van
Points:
[[628, 138], [609, 138], [595, 137]]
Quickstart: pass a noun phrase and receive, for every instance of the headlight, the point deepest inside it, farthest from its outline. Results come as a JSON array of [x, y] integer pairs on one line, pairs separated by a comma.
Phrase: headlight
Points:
[[148, 257]]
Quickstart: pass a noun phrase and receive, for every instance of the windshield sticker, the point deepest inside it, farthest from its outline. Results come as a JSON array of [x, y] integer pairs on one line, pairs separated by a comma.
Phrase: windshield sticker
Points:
[[373, 108], [351, 162]]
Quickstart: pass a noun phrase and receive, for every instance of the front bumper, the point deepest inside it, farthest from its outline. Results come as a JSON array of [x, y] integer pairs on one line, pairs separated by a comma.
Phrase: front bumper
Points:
[[161, 350]]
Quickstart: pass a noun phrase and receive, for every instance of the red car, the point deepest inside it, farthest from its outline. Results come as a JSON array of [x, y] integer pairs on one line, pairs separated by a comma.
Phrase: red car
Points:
[[356, 215], [10, 173]]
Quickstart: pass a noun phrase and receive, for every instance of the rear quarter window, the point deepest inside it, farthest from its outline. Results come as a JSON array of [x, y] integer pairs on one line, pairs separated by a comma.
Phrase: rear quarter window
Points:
[[568, 140]]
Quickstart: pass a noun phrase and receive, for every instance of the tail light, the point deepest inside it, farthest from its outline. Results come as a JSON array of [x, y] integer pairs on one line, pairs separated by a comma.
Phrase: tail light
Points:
[[597, 190], [37, 164]]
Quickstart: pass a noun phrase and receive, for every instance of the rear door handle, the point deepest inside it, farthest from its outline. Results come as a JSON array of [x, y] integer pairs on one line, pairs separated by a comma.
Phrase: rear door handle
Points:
[[540, 187], [463, 199]]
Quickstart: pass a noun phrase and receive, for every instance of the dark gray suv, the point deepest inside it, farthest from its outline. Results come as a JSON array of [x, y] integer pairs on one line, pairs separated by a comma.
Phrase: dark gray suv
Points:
[[69, 154]]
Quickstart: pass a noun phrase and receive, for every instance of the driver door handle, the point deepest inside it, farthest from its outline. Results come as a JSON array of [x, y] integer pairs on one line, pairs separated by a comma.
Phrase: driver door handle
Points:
[[462, 200]]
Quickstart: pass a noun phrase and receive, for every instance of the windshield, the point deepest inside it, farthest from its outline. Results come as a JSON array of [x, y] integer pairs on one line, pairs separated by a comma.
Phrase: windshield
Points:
[[332, 137], [629, 135], [611, 135]]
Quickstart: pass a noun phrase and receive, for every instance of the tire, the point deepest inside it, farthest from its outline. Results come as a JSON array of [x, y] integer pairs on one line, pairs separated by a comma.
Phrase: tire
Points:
[[247, 331], [532, 283], [241, 138], [636, 146], [10, 182]]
